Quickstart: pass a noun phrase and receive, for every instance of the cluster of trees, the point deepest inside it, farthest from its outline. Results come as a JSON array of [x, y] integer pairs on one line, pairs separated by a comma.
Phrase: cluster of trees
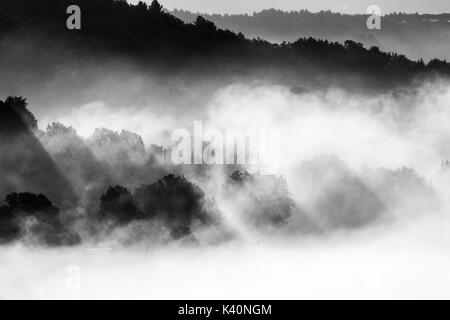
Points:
[[176, 203], [118, 147], [34, 217], [20, 105], [263, 201], [151, 36], [334, 198], [401, 188], [172, 202], [15, 116], [105, 158]]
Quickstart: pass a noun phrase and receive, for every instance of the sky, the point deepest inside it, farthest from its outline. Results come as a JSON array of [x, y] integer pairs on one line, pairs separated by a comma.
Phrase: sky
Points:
[[346, 6]]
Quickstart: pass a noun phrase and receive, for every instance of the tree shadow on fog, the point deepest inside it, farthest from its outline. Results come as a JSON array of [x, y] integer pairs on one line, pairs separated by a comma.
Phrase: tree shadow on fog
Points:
[[336, 197], [24, 162], [263, 200]]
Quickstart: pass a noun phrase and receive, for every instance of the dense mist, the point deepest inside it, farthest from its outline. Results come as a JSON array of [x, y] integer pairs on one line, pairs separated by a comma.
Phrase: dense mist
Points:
[[92, 204], [356, 161]]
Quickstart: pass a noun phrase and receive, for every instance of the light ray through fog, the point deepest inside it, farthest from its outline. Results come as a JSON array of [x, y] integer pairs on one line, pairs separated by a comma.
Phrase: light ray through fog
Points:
[[358, 209]]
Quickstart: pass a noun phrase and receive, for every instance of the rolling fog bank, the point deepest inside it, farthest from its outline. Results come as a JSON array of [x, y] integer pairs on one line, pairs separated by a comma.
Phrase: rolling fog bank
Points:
[[358, 207], [363, 215], [405, 262], [348, 162]]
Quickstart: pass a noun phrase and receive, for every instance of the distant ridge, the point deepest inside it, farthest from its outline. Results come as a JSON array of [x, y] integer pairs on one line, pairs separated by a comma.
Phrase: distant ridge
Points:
[[151, 37], [416, 35]]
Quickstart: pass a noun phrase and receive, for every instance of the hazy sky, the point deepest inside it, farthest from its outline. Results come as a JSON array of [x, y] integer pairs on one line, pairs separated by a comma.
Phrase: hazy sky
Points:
[[349, 6]]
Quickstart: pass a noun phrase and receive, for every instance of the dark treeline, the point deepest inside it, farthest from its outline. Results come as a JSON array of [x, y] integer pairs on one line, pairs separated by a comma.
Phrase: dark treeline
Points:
[[152, 37], [172, 200], [172, 205], [416, 35]]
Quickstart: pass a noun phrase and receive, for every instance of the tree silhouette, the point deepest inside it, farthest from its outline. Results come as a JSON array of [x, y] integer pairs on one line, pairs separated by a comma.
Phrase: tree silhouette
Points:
[[205, 25], [117, 204], [9, 228], [19, 105], [36, 215], [174, 200], [155, 8], [29, 203]]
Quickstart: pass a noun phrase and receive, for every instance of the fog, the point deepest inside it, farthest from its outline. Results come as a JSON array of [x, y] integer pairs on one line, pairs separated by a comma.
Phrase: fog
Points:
[[92, 208], [393, 129], [406, 262], [362, 244]]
